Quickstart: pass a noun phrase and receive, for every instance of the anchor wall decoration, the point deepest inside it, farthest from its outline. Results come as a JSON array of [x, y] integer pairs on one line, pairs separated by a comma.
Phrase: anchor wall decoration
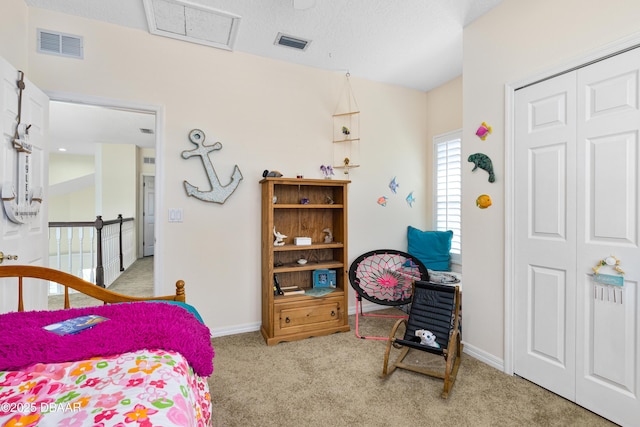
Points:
[[21, 206], [219, 193]]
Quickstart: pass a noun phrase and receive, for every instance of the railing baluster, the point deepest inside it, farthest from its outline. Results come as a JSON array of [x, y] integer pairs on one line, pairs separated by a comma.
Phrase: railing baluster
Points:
[[70, 249], [110, 247], [58, 261], [92, 237], [81, 243], [99, 266], [120, 243]]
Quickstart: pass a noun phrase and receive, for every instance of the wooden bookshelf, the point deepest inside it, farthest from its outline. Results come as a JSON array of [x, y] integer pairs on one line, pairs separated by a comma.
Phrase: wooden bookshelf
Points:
[[299, 316]]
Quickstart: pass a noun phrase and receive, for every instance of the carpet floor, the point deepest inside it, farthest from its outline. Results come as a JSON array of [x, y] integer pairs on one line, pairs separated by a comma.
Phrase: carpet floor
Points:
[[335, 381]]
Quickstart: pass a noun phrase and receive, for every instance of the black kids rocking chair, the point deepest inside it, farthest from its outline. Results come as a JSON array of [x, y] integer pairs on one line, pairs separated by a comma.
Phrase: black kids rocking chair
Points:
[[433, 326]]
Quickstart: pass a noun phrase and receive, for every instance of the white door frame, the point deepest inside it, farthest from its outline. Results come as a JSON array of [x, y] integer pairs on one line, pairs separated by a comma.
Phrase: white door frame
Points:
[[158, 110], [509, 139]]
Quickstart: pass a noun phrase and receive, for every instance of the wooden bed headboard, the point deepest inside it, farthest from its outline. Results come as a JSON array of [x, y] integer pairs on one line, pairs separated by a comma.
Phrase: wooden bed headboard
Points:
[[70, 281]]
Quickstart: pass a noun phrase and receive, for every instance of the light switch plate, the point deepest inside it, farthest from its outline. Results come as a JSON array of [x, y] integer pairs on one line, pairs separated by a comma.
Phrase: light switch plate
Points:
[[175, 215]]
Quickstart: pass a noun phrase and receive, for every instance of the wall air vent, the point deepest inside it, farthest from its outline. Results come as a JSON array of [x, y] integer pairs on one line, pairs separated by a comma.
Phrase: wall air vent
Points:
[[56, 43], [292, 42], [193, 23]]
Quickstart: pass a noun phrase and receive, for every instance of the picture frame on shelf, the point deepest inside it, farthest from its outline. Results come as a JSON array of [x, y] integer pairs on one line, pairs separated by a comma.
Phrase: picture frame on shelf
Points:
[[324, 278]]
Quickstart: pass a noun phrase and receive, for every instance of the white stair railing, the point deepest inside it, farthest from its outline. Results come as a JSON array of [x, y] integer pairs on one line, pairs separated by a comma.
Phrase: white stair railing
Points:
[[101, 258]]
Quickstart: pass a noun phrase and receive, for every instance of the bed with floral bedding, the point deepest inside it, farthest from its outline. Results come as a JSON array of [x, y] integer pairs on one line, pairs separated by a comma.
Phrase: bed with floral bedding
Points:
[[146, 364]]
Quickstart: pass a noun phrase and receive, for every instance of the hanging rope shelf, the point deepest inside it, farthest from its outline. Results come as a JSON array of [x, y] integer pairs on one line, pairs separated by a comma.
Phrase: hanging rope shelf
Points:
[[346, 130]]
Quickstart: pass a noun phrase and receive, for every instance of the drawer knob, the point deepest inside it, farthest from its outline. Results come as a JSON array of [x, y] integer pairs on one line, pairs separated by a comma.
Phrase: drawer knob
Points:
[[287, 320], [333, 313]]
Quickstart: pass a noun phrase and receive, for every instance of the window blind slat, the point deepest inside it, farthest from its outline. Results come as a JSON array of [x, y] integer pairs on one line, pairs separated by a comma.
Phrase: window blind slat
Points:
[[448, 187]]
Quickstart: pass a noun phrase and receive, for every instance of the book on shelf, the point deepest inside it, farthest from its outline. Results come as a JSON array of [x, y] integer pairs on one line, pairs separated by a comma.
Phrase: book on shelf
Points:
[[75, 325], [291, 290], [318, 292]]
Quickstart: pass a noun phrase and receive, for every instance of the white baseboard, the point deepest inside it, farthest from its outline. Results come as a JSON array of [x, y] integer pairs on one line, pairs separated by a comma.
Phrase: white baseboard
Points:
[[368, 307], [483, 356], [236, 329]]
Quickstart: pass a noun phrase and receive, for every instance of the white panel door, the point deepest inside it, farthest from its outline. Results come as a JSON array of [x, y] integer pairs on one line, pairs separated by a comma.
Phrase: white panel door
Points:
[[149, 197], [577, 162], [545, 234], [23, 175], [608, 317]]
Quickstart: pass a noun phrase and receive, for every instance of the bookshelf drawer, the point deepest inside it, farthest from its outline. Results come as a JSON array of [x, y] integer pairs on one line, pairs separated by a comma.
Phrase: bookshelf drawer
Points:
[[307, 316]]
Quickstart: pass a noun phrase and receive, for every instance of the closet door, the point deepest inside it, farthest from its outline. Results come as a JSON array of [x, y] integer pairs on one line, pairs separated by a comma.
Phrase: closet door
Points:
[[608, 317], [545, 233], [577, 162]]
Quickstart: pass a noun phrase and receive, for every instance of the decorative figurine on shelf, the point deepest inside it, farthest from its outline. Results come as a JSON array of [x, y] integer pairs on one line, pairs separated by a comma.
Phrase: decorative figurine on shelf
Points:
[[346, 162], [279, 238], [328, 200], [304, 201], [345, 131], [327, 171], [329, 237], [271, 174], [482, 161]]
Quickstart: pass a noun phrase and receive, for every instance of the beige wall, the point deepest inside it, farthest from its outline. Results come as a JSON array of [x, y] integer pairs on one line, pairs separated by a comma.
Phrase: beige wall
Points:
[[13, 33], [116, 179], [65, 167], [444, 114], [517, 40], [268, 115]]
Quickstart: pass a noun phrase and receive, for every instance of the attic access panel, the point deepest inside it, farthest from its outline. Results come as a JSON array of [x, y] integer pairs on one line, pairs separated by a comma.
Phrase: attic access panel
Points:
[[192, 23]]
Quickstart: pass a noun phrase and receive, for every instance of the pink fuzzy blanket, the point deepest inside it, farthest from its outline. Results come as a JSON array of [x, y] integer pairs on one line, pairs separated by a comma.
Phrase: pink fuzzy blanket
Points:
[[131, 326]]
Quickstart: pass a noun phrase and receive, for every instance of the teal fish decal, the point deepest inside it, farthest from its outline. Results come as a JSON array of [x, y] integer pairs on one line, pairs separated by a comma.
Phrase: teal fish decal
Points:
[[482, 161], [410, 199]]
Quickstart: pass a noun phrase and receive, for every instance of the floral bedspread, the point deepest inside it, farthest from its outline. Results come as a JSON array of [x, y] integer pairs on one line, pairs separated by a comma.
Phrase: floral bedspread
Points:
[[143, 388]]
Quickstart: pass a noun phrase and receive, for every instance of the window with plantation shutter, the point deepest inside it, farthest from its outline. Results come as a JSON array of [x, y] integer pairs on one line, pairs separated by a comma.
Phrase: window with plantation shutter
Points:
[[448, 188]]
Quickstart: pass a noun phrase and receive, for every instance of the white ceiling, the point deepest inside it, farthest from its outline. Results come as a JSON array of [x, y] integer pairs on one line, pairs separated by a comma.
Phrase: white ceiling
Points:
[[410, 43]]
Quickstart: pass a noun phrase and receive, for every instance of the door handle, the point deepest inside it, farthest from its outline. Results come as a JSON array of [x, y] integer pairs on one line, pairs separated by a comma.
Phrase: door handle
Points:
[[8, 257]]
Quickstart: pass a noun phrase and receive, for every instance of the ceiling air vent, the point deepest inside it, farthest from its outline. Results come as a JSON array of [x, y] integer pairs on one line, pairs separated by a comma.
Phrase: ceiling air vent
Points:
[[56, 43], [192, 23], [293, 42]]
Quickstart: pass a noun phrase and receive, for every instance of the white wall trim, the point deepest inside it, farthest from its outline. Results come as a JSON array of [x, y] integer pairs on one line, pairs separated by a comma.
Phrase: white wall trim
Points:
[[602, 52], [483, 356], [235, 329], [158, 110]]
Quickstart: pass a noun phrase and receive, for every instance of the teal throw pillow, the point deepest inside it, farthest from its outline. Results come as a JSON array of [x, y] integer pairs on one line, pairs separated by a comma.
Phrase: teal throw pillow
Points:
[[430, 247]]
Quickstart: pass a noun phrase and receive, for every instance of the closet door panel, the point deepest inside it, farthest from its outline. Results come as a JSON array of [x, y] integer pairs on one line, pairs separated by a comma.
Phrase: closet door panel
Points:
[[608, 222], [545, 234]]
